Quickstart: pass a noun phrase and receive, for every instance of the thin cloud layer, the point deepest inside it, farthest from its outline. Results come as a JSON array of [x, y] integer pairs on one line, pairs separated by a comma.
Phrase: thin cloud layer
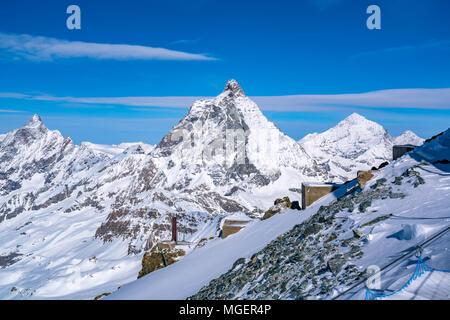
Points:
[[9, 111], [438, 99], [47, 49], [395, 98]]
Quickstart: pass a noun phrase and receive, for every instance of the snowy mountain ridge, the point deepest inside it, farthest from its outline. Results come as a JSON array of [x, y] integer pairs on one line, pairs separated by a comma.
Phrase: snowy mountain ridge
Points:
[[353, 144], [85, 214], [408, 137], [327, 248], [96, 208]]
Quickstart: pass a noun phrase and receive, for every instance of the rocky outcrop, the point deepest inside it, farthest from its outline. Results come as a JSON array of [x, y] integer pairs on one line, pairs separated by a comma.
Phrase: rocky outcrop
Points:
[[363, 177], [159, 257], [278, 205], [310, 260]]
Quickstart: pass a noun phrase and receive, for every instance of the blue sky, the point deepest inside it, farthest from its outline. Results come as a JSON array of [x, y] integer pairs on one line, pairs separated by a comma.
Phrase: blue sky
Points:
[[318, 51]]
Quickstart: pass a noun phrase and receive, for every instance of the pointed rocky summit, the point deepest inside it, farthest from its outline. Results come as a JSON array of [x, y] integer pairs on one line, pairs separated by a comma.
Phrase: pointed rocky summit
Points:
[[34, 122], [233, 87]]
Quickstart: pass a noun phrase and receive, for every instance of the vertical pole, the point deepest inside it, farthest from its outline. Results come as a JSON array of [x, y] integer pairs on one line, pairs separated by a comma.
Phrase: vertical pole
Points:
[[174, 229]]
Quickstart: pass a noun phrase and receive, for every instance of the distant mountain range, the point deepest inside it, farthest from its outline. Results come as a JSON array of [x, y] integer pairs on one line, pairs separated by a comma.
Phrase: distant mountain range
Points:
[[108, 204], [354, 144]]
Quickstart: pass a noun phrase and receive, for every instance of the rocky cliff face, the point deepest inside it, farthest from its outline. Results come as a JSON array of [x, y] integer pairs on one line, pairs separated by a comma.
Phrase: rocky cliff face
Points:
[[211, 163]]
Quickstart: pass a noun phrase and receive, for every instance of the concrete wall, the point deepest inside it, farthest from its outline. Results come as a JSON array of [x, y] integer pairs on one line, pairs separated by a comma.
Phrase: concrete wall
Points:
[[232, 226], [398, 151], [312, 193]]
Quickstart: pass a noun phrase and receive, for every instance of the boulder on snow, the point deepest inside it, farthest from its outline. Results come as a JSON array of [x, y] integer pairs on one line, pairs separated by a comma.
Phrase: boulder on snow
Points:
[[278, 204], [270, 213], [363, 177], [284, 202], [335, 265], [159, 257], [357, 234]]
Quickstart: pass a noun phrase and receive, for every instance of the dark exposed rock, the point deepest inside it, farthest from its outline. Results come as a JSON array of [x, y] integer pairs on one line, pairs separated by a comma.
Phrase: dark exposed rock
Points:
[[378, 183], [384, 164], [364, 205], [357, 234], [233, 190], [295, 205], [9, 259]]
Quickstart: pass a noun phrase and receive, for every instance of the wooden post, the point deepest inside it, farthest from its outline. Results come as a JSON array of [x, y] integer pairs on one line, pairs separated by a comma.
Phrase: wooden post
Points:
[[174, 229]]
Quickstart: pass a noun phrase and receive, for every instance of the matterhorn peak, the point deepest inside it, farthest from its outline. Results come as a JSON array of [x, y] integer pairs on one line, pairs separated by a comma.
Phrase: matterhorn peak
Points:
[[233, 87], [35, 120], [35, 123]]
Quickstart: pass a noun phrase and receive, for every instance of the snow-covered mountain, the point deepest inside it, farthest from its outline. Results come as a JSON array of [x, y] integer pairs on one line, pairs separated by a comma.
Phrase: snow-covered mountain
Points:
[[408, 137], [38, 168], [353, 144], [327, 248], [108, 151], [76, 220], [94, 209]]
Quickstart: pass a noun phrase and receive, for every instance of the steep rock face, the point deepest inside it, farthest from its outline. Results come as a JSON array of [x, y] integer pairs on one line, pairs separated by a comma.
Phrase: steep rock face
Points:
[[353, 144], [227, 139], [222, 144]]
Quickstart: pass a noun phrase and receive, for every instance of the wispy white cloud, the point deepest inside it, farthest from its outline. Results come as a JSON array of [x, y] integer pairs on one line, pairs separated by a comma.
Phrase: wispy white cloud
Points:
[[170, 102], [184, 41], [46, 49], [13, 95], [394, 98], [10, 111]]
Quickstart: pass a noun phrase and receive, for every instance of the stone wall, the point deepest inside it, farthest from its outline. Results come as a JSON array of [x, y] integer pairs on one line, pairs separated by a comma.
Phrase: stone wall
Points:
[[400, 150], [232, 226]]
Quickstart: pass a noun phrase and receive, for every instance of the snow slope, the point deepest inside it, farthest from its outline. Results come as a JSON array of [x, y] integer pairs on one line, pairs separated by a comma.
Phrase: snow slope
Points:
[[423, 213], [433, 285], [187, 276], [403, 205]]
